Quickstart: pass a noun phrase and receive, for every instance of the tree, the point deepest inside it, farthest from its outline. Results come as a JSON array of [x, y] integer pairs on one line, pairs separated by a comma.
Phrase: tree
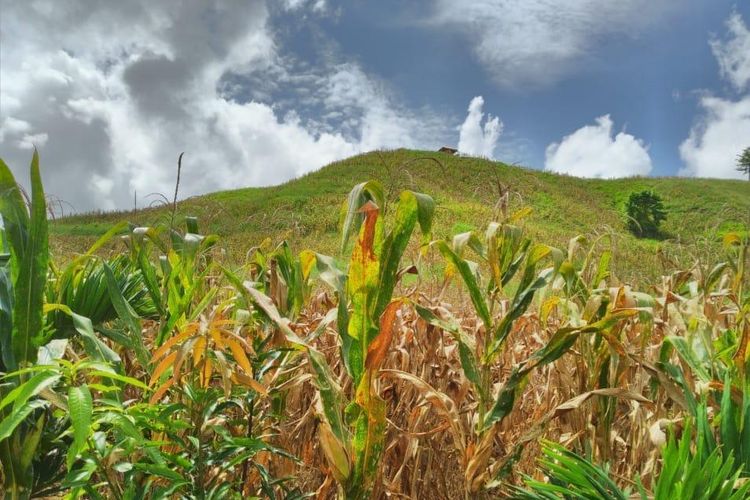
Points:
[[743, 162], [645, 213]]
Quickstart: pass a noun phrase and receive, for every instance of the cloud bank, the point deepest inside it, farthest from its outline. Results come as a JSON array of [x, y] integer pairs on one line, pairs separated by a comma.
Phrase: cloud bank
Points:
[[111, 103], [592, 151], [539, 42]]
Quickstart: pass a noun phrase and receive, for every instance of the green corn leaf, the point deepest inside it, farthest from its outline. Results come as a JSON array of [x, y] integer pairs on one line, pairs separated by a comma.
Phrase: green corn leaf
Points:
[[92, 344], [128, 316], [480, 306], [686, 354], [358, 196], [29, 287], [15, 218], [412, 207], [31, 442], [363, 285]]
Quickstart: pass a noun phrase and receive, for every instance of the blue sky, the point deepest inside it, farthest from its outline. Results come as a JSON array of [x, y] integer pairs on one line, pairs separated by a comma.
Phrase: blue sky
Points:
[[259, 92]]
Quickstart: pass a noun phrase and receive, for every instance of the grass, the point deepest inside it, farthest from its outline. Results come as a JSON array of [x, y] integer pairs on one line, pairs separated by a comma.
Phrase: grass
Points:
[[305, 211]]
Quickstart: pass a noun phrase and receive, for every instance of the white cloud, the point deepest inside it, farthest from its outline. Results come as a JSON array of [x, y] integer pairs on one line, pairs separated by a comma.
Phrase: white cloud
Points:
[[733, 54], [540, 41], [722, 130], [717, 138], [591, 151], [315, 5], [30, 141], [475, 138], [112, 102]]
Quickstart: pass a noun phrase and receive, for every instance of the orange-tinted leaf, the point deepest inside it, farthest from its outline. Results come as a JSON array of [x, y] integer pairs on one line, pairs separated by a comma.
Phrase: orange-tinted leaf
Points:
[[378, 349], [162, 367], [182, 353], [184, 334], [156, 397], [206, 371], [216, 335], [238, 352]]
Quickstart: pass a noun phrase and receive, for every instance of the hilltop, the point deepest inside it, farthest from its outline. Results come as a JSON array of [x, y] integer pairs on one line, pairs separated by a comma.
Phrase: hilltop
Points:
[[305, 211]]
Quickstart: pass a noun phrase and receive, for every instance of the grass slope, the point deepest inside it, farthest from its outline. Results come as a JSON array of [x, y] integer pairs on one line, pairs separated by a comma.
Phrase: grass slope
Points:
[[305, 211]]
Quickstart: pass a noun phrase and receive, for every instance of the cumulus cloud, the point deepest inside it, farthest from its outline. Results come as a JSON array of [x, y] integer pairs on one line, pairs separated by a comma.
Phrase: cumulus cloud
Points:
[[733, 53], [475, 138], [592, 151], [540, 41], [722, 130], [719, 135], [111, 103]]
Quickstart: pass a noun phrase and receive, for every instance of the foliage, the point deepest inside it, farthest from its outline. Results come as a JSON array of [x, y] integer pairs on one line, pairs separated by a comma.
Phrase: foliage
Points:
[[645, 212], [304, 211], [153, 365], [743, 162], [685, 473]]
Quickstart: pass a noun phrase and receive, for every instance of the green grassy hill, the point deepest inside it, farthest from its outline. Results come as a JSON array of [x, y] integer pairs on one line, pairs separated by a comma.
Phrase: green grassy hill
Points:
[[305, 211]]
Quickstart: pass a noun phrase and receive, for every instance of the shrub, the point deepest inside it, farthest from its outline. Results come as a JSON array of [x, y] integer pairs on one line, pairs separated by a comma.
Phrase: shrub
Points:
[[645, 213]]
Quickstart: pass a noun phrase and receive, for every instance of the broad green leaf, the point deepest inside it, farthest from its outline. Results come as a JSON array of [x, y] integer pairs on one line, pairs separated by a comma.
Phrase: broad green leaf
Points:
[[9, 424], [81, 407], [36, 384]]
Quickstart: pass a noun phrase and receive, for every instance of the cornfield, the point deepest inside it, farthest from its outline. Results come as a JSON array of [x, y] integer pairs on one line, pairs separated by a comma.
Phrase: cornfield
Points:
[[150, 366]]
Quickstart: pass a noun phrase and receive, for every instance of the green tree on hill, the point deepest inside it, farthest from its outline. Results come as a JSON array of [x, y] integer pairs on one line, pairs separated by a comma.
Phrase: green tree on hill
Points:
[[645, 213], [743, 162]]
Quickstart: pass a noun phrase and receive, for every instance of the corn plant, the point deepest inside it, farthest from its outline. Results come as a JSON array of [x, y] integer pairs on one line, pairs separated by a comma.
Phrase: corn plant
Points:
[[178, 286], [505, 252], [352, 434], [22, 329]]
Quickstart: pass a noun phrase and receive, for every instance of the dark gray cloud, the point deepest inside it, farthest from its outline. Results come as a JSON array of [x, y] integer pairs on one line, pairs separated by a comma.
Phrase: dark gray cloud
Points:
[[112, 92]]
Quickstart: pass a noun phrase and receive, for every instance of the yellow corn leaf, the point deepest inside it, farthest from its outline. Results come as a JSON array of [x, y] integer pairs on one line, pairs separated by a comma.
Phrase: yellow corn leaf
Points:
[[216, 335], [198, 350], [238, 352], [206, 371], [241, 378]]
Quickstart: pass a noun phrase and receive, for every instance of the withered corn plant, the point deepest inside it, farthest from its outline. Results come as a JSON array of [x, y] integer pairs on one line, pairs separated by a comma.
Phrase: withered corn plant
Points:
[[513, 263], [353, 426]]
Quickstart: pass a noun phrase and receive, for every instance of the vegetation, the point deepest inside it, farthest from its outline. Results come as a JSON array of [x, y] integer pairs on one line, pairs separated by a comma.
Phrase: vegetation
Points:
[[477, 364], [743, 162], [469, 192], [645, 213]]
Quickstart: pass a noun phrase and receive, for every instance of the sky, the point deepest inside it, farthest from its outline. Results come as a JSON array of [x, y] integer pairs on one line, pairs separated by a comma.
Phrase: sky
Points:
[[258, 92]]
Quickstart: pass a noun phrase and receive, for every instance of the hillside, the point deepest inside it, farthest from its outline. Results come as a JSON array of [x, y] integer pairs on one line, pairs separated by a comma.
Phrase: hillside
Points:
[[305, 211]]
